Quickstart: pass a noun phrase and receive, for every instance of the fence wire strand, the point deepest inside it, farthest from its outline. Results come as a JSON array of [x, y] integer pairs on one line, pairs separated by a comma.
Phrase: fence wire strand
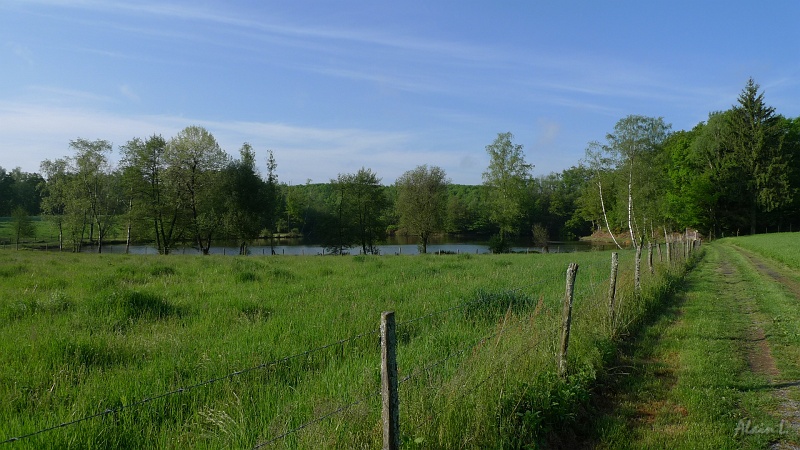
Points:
[[592, 287], [478, 301], [184, 389], [445, 359], [317, 420]]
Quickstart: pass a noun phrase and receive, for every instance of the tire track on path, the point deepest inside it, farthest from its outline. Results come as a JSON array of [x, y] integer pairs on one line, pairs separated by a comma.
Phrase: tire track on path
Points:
[[759, 353]]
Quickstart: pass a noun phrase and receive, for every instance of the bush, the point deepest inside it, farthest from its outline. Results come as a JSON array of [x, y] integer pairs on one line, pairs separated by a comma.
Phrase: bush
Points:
[[499, 244]]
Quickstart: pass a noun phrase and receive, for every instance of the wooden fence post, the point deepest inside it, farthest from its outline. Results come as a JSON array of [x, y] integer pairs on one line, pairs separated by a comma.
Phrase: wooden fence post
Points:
[[566, 319], [391, 403], [669, 254], [612, 290], [637, 273]]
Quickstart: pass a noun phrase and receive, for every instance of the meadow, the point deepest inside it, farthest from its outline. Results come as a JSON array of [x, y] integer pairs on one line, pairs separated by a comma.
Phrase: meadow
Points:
[[45, 233], [143, 351], [781, 247]]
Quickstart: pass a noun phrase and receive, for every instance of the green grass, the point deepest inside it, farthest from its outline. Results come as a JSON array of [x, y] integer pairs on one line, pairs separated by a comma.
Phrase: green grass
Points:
[[80, 334], [44, 230], [782, 247], [689, 382]]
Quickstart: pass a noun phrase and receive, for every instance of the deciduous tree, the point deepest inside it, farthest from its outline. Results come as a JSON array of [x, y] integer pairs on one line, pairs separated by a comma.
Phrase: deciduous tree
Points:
[[194, 165], [422, 202], [506, 179]]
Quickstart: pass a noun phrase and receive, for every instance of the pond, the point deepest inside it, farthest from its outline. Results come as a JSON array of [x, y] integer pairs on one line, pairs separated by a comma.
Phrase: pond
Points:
[[395, 245]]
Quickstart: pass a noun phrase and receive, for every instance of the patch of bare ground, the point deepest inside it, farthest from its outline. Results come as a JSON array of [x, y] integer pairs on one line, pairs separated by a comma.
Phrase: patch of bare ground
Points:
[[761, 361]]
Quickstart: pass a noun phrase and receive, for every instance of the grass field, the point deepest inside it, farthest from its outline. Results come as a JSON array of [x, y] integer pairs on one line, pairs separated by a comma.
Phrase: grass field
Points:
[[781, 247], [45, 232], [84, 335]]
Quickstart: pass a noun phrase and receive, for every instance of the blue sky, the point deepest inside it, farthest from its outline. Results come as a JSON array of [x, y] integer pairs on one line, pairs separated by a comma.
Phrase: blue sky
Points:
[[331, 86]]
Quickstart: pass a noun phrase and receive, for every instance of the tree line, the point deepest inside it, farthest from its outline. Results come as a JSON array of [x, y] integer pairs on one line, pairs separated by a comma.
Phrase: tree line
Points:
[[735, 173]]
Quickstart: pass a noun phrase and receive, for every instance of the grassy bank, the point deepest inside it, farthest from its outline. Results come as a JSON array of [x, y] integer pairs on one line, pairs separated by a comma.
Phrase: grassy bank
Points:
[[105, 334]]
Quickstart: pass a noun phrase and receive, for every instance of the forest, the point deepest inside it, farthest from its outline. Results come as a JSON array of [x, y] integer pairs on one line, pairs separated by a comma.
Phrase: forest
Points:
[[736, 173]]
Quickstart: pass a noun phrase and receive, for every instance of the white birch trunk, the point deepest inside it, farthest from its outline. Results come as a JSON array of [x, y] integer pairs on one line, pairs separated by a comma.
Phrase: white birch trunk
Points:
[[603, 206]]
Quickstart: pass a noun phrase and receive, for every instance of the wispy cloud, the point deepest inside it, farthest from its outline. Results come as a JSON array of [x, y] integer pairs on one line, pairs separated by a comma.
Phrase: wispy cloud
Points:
[[31, 133], [21, 51], [59, 95], [128, 93]]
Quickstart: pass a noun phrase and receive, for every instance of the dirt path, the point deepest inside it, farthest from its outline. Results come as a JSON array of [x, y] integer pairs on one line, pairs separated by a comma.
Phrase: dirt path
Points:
[[759, 353], [780, 275], [713, 338]]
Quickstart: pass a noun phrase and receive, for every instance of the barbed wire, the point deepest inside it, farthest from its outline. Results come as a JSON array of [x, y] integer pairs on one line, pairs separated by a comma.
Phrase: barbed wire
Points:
[[181, 390], [317, 420], [478, 301], [448, 357], [498, 368], [110, 411]]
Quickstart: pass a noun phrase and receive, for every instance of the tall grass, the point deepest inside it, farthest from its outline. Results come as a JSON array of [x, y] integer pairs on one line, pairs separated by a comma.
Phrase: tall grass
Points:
[[83, 334]]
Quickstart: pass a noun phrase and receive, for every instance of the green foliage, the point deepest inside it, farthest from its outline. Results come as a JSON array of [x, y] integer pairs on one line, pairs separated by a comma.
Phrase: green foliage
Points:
[[756, 141], [355, 213], [506, 179], [498, 243], [21, 225], [194, 167], [19, 189], [422, 202]]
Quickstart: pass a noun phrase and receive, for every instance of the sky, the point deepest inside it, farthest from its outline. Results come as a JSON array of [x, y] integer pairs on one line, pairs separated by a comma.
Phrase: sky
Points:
[[334, 86]]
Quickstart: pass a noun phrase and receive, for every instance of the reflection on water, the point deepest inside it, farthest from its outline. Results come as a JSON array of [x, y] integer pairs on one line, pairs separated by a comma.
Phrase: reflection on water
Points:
[[394, 246]]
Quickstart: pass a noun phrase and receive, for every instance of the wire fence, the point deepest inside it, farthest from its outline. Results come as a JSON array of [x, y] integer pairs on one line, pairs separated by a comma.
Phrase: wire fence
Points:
[[592, 287]]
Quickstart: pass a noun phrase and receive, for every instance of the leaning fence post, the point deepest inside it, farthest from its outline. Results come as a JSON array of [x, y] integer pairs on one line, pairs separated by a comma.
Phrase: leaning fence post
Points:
[[612, 289], [391, 403], [566, 319]]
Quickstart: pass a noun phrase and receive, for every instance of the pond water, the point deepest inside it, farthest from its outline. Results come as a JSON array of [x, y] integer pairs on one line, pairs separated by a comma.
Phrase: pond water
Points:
[[398, 245]]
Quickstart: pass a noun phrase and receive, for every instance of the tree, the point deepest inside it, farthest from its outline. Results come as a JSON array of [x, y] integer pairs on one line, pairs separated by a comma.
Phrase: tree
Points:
[[247, 202], [157, 195], [6, 193], [756, 140], [600, 164], [370, 204], [506, 179], [355, 216], [194, 165], [132, 182], [54, 194], [338, 233], [21, 225], [18, 188], [93, 186], [422, 202], [635, 146], [272, 200]]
